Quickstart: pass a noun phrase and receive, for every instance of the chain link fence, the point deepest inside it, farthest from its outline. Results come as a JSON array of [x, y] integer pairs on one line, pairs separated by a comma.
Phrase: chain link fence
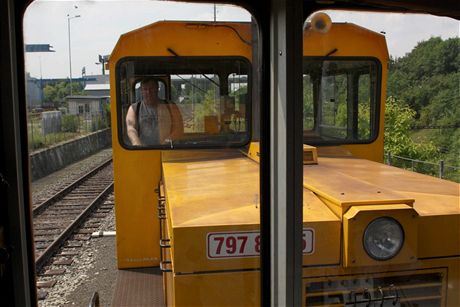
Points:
[[48, 128], [439, 169]]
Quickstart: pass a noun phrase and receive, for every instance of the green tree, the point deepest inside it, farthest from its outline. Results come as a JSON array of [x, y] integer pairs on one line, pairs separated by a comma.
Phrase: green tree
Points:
[[418, 76], [428, 80], [399, 118], [56, 93]]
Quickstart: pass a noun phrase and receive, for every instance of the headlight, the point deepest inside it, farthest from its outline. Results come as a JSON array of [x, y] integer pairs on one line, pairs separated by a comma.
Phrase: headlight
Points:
[[383, 238]]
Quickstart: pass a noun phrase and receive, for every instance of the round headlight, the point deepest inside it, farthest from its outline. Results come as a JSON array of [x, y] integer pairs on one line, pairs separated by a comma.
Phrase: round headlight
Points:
[[383, 238]]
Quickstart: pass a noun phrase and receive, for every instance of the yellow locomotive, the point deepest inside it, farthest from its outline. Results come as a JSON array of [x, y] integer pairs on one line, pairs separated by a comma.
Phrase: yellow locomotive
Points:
[[189, 202]]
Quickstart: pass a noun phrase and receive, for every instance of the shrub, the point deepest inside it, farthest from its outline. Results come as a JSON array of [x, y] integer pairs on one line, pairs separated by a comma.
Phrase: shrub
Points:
[[70, 123], [98, 123]]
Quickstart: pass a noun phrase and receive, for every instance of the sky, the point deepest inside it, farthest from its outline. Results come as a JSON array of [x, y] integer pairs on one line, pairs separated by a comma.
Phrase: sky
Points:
[[101, 23]]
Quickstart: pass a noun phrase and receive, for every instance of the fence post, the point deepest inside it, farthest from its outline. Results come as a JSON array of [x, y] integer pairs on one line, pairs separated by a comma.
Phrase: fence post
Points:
[[412, 165], [389, 158], [441, 169]]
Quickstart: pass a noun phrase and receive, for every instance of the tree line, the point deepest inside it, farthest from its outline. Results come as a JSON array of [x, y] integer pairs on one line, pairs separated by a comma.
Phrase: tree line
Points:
[[424, 90]]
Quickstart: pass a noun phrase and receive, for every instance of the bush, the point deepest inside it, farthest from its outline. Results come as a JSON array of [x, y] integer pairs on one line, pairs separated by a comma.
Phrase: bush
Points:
[[107, 115], [70, 123], [98, 123], [36, 141], [399, 118]]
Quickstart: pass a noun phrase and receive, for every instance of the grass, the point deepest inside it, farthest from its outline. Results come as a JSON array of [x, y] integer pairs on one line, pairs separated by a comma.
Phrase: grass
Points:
[[37, 140]]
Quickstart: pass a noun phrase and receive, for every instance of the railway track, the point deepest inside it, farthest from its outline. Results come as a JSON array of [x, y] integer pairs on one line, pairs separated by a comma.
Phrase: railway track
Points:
[[56, 218]]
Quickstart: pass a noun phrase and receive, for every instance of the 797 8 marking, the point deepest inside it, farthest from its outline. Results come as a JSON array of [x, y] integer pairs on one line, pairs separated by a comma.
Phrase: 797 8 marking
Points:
[[246, 244]]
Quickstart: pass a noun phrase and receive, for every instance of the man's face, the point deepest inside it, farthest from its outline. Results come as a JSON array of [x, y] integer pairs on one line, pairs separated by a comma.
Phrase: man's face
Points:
[[150, 91]]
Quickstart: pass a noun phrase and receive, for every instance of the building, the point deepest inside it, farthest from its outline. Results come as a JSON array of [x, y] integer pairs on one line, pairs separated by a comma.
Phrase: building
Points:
[[34, 92], [87, 106], [97, 85], [100, 89]]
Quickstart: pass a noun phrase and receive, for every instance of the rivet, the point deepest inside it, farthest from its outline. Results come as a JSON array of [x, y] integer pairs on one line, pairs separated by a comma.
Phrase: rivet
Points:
[[281, 52]]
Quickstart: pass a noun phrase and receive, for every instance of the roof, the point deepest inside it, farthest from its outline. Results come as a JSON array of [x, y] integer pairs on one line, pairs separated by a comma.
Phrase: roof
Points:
[[97, 87], [97, 79], [87, 97]]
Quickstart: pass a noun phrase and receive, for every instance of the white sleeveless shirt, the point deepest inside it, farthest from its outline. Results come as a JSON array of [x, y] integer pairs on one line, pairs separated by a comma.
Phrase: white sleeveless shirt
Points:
[[147, 126]]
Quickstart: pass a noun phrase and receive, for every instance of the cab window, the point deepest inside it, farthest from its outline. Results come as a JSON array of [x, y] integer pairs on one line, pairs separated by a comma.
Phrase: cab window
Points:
[[340, 100], [198, 103]]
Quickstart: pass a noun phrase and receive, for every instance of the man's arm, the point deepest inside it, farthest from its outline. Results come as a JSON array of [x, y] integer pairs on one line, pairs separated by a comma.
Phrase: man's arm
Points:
[[131, 127], [177, 123]]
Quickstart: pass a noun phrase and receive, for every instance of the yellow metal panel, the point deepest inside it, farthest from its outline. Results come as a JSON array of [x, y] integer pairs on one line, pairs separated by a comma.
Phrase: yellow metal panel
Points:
[[136, 174], [185, 39], [392, 178], [242, 288], [230, 204], [338, 210], [349, 40], [344, 190], [438, 205], [355, 222], [135, 209], [439, 236], [436, 201], [254, 151], [310, 155], [221, 289]]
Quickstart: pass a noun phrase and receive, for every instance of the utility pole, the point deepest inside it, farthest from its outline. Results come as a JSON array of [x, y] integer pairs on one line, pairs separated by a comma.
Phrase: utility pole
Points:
[[70, 49]]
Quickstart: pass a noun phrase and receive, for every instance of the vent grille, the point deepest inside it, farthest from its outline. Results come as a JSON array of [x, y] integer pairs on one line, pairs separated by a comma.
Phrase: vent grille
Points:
[[414, 289]]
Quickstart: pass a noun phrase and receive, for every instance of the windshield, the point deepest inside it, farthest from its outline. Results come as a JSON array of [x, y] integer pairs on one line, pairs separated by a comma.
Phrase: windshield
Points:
[[183, 102], [340, 100]]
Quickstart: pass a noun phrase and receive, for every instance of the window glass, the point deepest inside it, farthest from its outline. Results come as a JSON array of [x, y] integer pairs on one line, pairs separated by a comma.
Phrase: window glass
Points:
[[364, 106], [339, 99], [308, 110], [381, 89], [191, 102], [193, 64], [198, 98]]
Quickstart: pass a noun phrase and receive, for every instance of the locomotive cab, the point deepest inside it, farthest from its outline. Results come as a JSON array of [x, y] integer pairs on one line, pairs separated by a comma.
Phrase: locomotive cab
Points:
[[195, 212]]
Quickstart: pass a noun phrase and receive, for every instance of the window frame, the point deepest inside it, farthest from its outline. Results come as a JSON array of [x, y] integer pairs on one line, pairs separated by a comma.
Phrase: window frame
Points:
[[374, 122]]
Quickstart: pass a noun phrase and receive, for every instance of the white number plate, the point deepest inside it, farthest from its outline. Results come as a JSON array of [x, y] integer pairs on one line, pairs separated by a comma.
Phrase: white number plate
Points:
[[246, 244]]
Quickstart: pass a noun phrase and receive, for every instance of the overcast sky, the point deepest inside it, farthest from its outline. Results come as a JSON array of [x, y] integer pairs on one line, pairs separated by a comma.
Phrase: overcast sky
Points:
[[102, 22]]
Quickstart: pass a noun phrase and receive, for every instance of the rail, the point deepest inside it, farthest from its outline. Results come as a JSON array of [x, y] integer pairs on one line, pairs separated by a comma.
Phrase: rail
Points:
[[57, 218], [94, 302], [59, 195], [49, 251]]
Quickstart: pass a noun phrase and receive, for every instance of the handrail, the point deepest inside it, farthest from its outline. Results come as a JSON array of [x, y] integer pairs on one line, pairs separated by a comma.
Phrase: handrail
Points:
[[441, 171]]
